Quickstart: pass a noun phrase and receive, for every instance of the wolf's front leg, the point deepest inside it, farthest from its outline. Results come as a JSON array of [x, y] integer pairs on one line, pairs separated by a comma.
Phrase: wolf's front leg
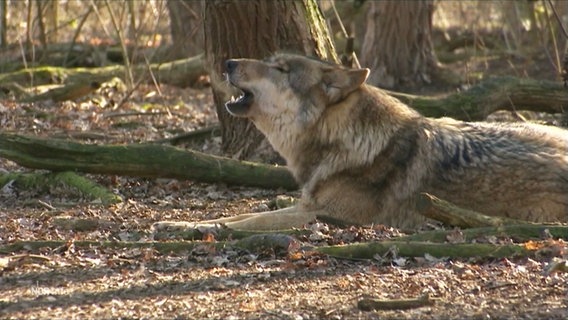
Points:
[[292, 217]]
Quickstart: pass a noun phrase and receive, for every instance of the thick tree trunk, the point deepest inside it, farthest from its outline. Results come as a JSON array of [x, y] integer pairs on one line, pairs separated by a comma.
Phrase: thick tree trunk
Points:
[[397, 46], [186, 28], [256, 29]]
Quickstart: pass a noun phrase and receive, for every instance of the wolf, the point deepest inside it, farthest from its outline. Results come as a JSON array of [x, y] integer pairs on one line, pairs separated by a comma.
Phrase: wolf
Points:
[[363, 157]]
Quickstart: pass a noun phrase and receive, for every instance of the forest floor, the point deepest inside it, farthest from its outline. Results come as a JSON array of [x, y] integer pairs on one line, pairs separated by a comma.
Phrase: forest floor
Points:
[[96, 282]]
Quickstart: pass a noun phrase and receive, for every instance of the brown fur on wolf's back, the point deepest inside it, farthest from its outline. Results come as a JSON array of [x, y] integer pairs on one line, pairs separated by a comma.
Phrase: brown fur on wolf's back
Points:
[[364, 157]]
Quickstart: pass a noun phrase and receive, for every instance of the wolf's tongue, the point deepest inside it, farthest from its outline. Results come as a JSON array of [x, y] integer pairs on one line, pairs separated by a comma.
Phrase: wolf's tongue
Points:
[[240, 106]]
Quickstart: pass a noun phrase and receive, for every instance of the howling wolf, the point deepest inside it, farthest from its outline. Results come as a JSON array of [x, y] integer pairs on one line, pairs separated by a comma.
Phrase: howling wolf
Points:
[[363, 157]]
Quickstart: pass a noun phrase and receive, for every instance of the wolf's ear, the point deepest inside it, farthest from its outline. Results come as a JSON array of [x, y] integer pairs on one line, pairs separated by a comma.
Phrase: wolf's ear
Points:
[[338, 83]]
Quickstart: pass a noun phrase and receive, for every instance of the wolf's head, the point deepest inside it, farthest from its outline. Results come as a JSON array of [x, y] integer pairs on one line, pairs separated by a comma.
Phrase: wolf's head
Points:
[[289, 89]]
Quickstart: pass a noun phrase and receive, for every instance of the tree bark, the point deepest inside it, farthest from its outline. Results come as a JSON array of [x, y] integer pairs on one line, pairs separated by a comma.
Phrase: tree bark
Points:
[[186, 27], [256, 29], [397, 46]]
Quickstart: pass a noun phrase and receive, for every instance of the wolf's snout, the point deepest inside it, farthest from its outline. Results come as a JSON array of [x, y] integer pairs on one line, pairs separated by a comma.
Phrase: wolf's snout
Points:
[[231, 65]]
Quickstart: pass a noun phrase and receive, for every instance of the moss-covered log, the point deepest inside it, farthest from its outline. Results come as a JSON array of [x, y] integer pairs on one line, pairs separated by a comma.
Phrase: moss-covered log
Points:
[[275, 242], [501, 93], [369, 304], [184, 72], [419, 249], [43, 181], [437, 209], [140, 160], [518, 232], [63, 93]]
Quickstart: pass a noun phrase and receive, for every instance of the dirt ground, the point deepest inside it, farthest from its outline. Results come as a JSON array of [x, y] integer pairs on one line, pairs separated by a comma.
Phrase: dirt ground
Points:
[[74, 282]]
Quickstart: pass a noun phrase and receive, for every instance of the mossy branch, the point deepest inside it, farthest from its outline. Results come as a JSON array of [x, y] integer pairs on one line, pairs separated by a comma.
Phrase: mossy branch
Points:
[[43, 181], [140, 160], [500, 93], [184, 72], [440, 210]]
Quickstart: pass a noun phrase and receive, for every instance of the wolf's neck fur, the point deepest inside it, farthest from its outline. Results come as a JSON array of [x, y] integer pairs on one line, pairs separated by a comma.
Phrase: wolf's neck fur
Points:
[[343, 141]]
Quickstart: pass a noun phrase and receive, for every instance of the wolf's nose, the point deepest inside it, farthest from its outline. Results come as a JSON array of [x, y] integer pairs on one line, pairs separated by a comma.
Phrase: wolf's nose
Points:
[[231, 65]]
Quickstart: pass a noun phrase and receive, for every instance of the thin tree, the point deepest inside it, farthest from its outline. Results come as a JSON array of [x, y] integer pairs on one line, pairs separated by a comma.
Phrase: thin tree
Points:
[[186, 27], [3, 22], [256, 29]]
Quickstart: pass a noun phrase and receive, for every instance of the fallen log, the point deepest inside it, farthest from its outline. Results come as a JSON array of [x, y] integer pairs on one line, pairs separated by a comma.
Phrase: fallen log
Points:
[[71, 180], [450, 214], [183, 73], [283, 242], [140, 160], [517, 232], [493, 94], [370, 304], [419, 249]]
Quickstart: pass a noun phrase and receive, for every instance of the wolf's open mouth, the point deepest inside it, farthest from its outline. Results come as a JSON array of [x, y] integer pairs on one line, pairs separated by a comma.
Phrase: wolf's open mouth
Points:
[[240, 106]]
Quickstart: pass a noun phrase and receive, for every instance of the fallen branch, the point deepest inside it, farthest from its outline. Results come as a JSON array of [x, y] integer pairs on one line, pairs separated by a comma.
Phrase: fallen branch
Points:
[[183, 73], [67, 92], [368, 304], [43, 181], [450, 214], [501, 93], [140, 160], [260, 243], [419, 249], [11, 262], [518, 232]]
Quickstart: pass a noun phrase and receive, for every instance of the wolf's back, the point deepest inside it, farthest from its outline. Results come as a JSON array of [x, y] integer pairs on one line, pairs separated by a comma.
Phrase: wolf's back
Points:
[[517, 170]]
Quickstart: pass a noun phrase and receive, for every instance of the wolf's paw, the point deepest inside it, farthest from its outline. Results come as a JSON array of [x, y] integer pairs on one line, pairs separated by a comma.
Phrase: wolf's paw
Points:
[[181, 226], [170, 226]]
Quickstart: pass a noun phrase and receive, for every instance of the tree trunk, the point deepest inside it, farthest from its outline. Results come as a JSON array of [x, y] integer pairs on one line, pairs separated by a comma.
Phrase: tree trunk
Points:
[[186, 27], [3, 22], [397, 46], [256, 29]]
